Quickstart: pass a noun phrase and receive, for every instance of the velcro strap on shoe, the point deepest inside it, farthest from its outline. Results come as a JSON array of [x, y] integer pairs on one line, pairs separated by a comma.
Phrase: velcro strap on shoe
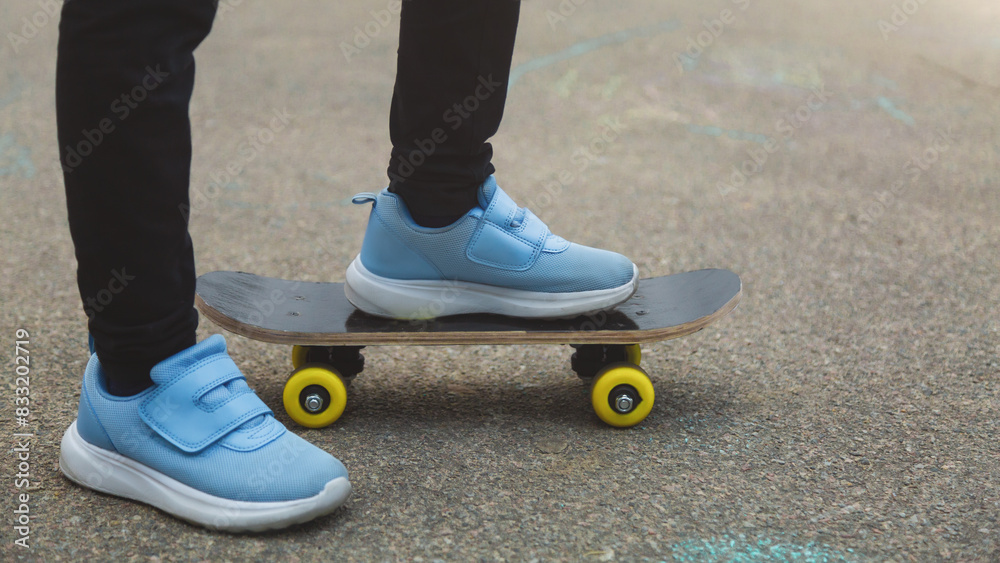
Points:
[[501, 208], [175, 410], [499, 244]]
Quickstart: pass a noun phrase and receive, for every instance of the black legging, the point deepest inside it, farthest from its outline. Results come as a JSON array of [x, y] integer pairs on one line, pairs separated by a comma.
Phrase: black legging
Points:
[[123, 84]]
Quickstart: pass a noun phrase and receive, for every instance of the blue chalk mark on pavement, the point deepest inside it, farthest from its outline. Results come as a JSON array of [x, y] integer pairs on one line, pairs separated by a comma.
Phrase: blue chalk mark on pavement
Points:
[[732, 134], [890, 108], [688, 62], [15, 159], [589, 45], [884, 82], [733, 550], [14, 90]]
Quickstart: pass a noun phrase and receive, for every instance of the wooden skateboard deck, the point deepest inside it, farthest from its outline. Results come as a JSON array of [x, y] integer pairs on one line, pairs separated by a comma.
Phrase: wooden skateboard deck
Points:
[[317, 313], [328, 334]]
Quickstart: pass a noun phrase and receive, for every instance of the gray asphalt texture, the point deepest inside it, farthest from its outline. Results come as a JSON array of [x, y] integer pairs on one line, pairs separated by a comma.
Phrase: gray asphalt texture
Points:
[[847, 410]]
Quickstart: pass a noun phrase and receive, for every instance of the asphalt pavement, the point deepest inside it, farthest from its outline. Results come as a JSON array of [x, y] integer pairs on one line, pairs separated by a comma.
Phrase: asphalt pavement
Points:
[[842, 157]]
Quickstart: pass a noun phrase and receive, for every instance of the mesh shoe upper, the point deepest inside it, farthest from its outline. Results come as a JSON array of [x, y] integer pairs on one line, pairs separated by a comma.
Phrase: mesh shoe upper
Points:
[[257, 460], [496, 244]]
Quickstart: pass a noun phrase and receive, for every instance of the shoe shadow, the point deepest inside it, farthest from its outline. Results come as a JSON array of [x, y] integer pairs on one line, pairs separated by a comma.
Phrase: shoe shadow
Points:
[[359, 322]]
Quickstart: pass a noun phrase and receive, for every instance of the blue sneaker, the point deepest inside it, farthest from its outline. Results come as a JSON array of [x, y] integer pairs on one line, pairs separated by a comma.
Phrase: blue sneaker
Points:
[[201, 446], [498, 258]]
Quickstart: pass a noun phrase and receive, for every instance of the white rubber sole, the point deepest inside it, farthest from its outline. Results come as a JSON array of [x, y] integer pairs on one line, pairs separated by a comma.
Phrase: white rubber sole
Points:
[[426, 299], [109, 472]]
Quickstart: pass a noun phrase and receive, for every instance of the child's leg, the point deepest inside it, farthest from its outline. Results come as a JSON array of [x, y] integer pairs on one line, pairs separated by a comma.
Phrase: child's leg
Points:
[[191, 437], [451, 85], [444, 239], [123, 82]]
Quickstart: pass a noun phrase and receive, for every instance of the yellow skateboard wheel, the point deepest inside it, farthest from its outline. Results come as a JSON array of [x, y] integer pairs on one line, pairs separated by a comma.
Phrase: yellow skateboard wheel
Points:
[[299, 354], [633, 354], [622, 394], [315, 396]]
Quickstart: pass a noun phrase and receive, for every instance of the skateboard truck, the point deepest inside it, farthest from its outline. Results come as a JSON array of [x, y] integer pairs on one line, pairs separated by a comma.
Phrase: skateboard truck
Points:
[[591, 358], [347, 360], [316, 392]]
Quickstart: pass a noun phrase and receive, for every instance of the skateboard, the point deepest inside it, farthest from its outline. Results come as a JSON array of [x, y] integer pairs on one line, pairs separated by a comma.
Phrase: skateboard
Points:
[[328, 333]]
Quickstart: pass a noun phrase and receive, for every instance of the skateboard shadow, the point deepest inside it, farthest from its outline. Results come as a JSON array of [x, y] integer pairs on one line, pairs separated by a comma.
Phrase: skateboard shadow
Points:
[[380, 398], [564, 403], [359, 321]]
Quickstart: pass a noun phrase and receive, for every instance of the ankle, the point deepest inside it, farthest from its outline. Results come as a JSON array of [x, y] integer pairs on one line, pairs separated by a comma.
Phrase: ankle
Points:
[[435, 221], [125, 380]]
